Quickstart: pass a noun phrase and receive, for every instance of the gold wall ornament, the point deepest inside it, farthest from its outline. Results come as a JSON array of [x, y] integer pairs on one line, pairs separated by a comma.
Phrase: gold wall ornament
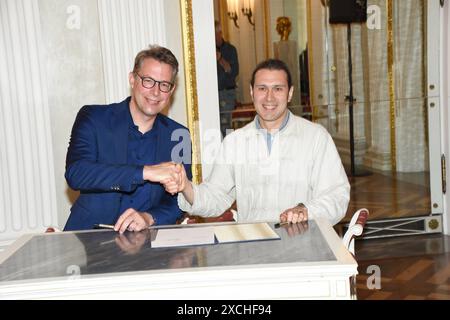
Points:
[[390, 57], [266, 22], [249, 14], [187, 30], [284, 28]]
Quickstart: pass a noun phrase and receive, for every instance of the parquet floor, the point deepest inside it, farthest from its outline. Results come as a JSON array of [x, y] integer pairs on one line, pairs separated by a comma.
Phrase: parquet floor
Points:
[[390, 196], [410, 268]]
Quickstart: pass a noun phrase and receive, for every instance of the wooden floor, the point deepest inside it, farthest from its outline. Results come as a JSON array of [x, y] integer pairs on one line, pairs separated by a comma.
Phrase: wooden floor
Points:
[[411, 268], [389, 195]]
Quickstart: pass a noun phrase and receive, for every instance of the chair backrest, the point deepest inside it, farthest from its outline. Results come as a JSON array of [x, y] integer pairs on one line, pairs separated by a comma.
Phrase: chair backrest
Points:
[[229, 215], [355, 228]]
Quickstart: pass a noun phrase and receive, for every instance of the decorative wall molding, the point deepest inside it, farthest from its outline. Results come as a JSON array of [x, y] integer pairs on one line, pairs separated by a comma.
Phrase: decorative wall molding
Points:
[[27, 182], [127, 27]]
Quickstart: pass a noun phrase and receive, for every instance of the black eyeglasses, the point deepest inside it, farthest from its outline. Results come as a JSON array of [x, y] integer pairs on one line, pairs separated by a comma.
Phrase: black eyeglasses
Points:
[[148, 82]]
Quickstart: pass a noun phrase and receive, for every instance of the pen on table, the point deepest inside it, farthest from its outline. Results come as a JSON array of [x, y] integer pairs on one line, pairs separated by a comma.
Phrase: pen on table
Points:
[[279, 224], [103, 226], [110, 226]]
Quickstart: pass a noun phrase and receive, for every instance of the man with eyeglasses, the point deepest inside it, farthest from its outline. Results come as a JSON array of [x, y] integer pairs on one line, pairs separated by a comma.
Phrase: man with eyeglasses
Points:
[[120, 153]]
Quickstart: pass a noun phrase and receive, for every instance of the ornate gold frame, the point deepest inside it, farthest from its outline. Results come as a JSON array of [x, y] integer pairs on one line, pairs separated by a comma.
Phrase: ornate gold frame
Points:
[[191, 80], [190, 77], [266, 22], [391, 62]]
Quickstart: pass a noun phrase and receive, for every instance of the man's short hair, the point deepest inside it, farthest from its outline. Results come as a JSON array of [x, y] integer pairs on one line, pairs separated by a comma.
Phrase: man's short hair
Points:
[[272, 64], [157, 53]]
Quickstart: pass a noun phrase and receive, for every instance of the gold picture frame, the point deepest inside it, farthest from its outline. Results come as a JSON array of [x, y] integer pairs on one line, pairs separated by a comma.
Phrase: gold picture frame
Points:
[[187, 32]]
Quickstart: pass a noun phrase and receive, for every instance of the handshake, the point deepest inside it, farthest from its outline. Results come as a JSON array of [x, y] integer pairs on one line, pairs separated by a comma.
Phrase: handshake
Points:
[[170, 174]]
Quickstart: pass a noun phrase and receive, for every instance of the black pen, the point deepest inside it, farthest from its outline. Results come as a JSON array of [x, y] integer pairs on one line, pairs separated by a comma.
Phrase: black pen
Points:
[[279, 224]]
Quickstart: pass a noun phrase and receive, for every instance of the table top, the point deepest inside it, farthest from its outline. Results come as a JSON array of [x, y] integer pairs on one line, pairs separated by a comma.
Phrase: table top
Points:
[[58, 255]]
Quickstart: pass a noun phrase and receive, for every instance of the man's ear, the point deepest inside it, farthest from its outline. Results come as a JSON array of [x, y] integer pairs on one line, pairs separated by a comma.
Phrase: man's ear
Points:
[[173, 89], [131, 79], [291, 92], [251, 92]]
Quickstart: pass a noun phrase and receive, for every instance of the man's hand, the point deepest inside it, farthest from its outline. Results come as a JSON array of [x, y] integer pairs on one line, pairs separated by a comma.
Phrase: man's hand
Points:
[[296, 214], [170, 174], [224, 63], [180, 184], [160, 172], [174, 186], [133, 220]]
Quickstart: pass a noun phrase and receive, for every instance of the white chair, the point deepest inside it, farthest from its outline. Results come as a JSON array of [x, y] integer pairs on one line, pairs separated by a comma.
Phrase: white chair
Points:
[[355, 228]]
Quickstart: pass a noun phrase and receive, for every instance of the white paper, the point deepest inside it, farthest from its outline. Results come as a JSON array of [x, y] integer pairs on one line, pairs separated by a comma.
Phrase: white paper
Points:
[[245, 232], [177, 237]]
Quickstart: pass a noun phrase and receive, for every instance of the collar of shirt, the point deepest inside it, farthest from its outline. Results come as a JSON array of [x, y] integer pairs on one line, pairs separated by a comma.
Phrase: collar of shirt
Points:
[[134, 127], [269, 137]]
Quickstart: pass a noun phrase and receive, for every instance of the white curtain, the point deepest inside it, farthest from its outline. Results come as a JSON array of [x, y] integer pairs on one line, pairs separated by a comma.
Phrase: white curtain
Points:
[[371, 85]]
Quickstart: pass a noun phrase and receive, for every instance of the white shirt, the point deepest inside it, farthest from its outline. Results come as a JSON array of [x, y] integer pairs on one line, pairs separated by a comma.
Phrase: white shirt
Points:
[[303, 166]]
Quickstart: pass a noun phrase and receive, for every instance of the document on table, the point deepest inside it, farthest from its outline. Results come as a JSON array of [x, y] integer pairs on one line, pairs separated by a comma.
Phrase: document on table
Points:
[[178, 237], [194, 236], [245, 232]]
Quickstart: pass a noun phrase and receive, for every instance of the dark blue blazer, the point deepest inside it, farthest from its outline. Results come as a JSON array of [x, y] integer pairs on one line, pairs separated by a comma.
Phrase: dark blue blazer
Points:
[[96, 165]]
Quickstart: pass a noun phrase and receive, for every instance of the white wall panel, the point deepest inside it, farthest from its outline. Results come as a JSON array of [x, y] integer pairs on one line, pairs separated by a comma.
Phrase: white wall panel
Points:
[[127, 27], [27, 186], [208, 97]]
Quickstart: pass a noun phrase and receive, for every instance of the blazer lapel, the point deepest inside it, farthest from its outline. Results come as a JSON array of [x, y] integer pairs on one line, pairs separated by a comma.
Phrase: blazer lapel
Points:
[[119, 128], [159, 140], [163, 144]]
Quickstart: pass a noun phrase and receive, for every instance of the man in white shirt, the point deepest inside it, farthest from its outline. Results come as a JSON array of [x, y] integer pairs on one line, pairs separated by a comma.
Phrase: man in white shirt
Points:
[[280, 166]]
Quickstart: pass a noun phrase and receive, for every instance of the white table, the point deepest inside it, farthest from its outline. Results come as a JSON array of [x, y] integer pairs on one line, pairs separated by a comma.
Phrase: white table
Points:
[[99, 264]]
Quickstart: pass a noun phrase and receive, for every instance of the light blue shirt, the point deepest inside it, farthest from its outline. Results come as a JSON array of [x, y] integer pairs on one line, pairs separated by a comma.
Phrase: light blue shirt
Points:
[[269, 137]]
